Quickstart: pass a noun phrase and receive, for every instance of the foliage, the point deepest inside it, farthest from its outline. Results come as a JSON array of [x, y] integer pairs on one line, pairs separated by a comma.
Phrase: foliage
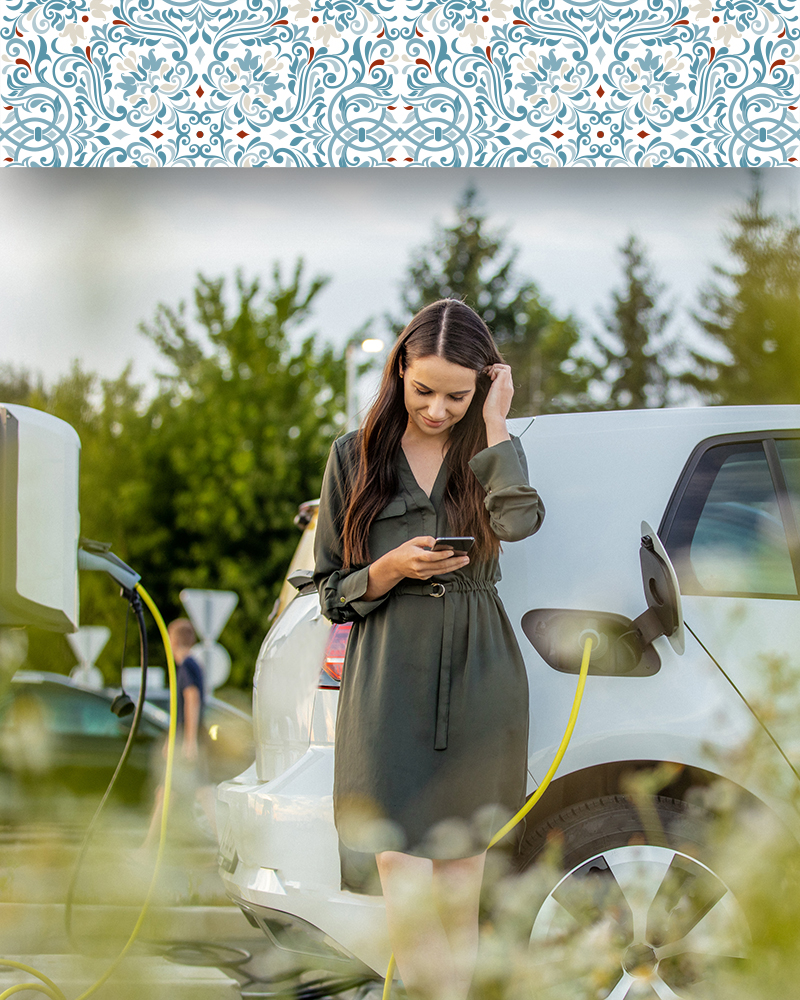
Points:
[[18, 386], [752, 313], [240, 437], [466, 261], [199, 486], [633, 352]]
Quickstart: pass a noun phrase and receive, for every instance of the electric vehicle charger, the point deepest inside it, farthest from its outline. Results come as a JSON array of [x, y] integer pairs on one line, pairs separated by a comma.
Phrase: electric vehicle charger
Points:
[[591, 640], [45, 985]]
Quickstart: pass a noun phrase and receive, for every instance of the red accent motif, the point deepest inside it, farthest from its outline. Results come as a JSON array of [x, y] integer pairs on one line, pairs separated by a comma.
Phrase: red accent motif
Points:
[[558, 135], [600, 92], [85, 18], [199, 135], [600, 135], [419, 33], [314, 19], [485, 18], [156, 135], [383, 32], [23, 62], [713, 53], [643, 134], [489, 53], [10, 107], [19, 33], [392, 159], [8, 160], [199, 92], [792, 107], [792, 159], [121, 22], [715, 20], [408, 107], [521, 22], [778, 62], [378, 62], [424, 62], [679, 22], [310, 54], [391, 107], [782, 34], [282, 21], [89, 53], [409, 159], [243, 134]]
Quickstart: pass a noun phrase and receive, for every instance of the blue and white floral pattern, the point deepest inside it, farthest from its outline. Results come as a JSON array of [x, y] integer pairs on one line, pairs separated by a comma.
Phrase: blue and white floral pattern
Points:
[[398, 82]]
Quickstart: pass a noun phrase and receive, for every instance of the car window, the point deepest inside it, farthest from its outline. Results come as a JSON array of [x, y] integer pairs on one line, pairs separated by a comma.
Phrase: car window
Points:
[[789, 454], [71, 712], [728, 535]]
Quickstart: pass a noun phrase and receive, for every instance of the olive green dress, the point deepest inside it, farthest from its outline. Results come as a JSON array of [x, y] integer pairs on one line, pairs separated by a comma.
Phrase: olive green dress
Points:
[[432, 723]]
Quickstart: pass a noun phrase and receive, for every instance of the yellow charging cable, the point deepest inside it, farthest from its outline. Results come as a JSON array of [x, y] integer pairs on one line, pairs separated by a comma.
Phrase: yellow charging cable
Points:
[[47, 986], [573, 718]]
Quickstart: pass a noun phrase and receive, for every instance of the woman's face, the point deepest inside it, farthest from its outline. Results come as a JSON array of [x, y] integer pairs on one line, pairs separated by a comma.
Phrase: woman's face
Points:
[[437, 394]]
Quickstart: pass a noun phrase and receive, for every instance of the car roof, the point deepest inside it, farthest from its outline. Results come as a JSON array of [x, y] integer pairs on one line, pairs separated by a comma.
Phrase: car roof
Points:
[[162, 695], [764, 417]]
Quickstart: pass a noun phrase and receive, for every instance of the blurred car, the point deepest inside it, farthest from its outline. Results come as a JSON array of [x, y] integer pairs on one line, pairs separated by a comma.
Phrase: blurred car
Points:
[[228, 729], [692, 621], [303, 558], [60, 741]]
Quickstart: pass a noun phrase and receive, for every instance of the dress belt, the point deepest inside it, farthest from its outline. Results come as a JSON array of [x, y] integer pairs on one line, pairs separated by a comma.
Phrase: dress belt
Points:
[[431, 588]]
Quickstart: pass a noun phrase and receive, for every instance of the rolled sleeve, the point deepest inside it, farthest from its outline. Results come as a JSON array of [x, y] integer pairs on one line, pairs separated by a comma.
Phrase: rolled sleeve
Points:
[[515, 508], [343, 593]]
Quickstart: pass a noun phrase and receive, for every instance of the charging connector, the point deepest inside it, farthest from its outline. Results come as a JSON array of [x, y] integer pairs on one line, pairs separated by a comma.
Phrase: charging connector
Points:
[[96, 556]]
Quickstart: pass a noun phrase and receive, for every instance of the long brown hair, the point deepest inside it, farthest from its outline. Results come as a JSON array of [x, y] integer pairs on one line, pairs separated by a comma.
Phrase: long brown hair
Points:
[[447, 329]]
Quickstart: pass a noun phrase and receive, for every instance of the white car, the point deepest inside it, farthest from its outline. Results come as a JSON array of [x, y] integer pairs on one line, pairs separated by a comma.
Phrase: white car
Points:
[[676, 683]]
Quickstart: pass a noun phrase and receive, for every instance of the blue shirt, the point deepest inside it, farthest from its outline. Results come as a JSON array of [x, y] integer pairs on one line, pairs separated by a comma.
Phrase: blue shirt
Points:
[[190, 674]]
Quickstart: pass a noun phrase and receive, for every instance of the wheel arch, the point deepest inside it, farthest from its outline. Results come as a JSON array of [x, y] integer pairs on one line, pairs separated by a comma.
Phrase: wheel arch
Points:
[[614, 778]]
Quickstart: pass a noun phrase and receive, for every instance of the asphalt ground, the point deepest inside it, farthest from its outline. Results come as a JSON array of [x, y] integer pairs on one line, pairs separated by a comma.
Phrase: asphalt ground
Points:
[[194, 942]]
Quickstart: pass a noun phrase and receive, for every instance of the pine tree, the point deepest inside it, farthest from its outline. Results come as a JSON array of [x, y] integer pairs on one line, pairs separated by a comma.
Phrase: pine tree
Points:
[[633, 352], [754, 315], [468, 262]]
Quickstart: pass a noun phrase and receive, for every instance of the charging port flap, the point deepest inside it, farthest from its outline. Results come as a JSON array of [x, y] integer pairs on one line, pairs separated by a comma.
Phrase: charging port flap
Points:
[[664, 615]]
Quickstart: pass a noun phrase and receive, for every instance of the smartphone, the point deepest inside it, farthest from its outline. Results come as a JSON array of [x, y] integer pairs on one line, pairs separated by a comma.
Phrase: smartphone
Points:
[[460, 544]]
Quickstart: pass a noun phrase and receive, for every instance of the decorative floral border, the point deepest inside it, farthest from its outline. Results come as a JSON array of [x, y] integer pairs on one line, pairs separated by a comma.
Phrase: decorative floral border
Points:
[[478, 83]]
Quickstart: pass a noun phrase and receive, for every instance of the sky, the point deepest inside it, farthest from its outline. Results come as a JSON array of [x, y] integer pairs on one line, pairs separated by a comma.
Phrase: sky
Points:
[[87, 255]]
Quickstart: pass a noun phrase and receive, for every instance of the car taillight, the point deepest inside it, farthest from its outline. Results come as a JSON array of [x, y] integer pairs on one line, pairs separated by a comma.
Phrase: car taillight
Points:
[[334, 656]]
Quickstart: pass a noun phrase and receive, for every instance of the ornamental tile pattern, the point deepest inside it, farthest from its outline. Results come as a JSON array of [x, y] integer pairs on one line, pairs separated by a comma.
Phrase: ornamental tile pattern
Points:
[[478, 83]]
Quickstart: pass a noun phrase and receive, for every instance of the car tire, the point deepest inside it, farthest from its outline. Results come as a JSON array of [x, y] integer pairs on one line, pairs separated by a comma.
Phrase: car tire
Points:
[[632, 910]]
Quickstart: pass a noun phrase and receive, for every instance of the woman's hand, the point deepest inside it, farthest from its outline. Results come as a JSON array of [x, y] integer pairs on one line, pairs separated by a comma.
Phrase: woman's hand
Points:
[[412, 560], [498, 403]]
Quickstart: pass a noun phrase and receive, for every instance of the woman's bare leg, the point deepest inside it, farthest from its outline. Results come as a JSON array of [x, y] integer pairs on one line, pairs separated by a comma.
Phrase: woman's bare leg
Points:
[[456, 892], [420, 945], [432, 914]]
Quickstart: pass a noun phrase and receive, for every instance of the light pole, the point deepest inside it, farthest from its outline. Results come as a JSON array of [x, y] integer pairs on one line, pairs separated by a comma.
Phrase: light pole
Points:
[[370, 346]]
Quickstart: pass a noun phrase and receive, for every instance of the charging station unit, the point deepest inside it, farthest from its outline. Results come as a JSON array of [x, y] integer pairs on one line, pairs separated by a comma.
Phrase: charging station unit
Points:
[[39, 520]]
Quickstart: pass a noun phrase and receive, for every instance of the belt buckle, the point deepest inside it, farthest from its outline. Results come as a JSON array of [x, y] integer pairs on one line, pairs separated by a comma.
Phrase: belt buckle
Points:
[[440, 592]]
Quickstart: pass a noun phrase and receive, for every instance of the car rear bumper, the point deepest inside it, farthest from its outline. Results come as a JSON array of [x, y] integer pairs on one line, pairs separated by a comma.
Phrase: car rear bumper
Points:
[[279, 859]]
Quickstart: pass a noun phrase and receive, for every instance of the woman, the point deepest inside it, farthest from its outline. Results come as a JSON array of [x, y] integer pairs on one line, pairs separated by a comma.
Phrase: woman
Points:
[[432, 724]]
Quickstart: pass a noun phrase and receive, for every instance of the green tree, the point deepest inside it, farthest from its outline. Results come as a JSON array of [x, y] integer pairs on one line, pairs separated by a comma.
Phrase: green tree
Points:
[[752, 313], [18, 385], [198, 487], [467, 261], [634, 349], [239, 437]]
